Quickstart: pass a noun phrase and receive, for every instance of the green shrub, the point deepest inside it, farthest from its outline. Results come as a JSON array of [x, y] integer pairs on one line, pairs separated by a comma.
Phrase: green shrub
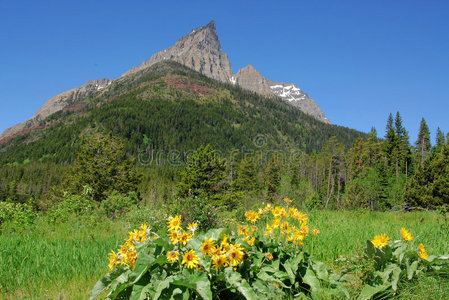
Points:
[[117, 204], [72, 205], [198, 209], [157, 217], [16, 215]]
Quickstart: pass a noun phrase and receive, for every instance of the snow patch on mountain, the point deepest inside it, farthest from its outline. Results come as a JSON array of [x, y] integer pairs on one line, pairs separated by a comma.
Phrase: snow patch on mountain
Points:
[[288, 92]]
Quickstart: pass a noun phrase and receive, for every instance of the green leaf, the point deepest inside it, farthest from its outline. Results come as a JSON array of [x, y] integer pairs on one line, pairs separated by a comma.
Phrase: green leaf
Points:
[[164, 284], [216, 234], [143, 263], [236, 280], [119, 284], [411, 269], [370, 291], [106, 281], [311, 280]]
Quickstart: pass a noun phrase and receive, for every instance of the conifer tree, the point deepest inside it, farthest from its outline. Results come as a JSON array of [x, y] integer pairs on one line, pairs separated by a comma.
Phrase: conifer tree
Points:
[[440, 140], [423, 142], [272, 176]]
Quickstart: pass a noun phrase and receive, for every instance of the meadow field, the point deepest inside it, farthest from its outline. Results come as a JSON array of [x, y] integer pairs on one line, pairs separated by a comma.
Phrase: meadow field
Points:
[[65, 261]]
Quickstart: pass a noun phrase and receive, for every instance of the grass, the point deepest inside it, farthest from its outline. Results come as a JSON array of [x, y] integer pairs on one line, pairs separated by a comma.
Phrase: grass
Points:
[[68, 259]]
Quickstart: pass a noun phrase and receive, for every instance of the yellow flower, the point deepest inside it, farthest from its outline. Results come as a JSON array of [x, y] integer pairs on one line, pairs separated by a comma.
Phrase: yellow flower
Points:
[[277, 211], [269, 255], [207, 246], [235, 255], [380, 241], [406, 235], [268, 207], [225, 243], [269, 232], [250, 240], [275, 223], [174, 223], [287, 200], [191, 259], [254, 228], [172, 256], [422, 252], [184, 238], [303, 218], [174, 237], [252, 216], [285, 227], [192, 227], [112, 260], [243, 229], [315, 231], [219, 260], [298, 237], [215, 251]]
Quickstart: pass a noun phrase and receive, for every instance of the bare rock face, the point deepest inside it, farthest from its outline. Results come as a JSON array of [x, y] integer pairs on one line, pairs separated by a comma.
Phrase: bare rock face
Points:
[[59, 102], [249, 78], [199, 50]]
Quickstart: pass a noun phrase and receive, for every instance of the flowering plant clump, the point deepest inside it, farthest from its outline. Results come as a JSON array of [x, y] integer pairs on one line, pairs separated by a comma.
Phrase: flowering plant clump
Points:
[[395, 261], [264, 259]]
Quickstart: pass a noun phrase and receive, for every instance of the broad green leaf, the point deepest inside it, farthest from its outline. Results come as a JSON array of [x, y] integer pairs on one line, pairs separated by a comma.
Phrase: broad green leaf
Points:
[[236, 280], [119, 284], [370, 291], [411, 269], [143, 263], [311, 279], [106, 281], [164, 284], [216, 234], [395, 277]]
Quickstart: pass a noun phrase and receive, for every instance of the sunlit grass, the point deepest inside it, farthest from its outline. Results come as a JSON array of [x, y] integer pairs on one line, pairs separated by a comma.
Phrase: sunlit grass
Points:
[[68, 259]]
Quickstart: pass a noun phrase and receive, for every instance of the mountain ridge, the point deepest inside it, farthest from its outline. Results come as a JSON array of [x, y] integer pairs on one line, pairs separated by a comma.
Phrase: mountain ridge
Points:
[[200, 50]]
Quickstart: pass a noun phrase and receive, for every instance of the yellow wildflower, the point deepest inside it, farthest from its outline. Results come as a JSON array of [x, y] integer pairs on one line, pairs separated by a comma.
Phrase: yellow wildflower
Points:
[[235, 255], [406, 235], [380, 241], [275, 223], [250, 240], [252, 216], [192, 227], [315, 231], [174, 237], [285, 227], [423, 252], [269, 255], [191, 259], [243, 229], [112, 260], [184, 238], [174, 223], [225, 243], [172, 256], [277, 211], [207, 246], [287, 200], [219, 260], [215, 251]]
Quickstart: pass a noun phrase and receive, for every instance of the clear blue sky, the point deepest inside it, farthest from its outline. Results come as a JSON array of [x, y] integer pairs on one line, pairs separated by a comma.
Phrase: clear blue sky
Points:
[[359, 60]]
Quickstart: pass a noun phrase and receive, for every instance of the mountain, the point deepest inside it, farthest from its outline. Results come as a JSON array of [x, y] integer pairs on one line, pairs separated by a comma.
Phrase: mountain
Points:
[[169, 109], [199, 50], [249, 78]]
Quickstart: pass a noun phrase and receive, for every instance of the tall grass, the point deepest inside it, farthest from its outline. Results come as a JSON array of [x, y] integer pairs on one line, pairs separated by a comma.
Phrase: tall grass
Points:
[[68, 259]]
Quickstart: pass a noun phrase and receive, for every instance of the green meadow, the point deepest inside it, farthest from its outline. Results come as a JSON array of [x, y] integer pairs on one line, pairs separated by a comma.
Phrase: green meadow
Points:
[[64, 261]]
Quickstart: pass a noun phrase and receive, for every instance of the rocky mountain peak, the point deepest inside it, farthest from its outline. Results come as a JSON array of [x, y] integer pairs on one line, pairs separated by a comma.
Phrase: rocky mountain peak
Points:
[[199, 50]]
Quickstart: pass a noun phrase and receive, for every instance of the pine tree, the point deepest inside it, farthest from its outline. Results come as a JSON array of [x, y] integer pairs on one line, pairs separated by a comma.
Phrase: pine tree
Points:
[[272, 177], [423, 142], [246, 175], [203, 174], [102, 167], [440, 140]]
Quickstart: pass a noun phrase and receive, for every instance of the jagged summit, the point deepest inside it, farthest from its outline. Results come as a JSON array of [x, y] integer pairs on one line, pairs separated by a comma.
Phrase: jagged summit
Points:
[[199, 50]]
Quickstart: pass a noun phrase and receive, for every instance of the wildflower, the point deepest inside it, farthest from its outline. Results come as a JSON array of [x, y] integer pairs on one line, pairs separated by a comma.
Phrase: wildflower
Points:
[[191, 259], [422, 252], [235, 255], [254, 228], [207, 246], [406, 235], [172, 256], [112, 260], [315, 231], [285, 227], [250, 240], [276, 222], [215, 251], [268, 207], [269, 232], [277, 211], [184, 238], [380, 241], [243, 229], [303, 218], [174, 223], [269, 255], [219, 260], [298, 237], [225, 243], [174, 237], [252, 216], [192, 227], [287, 200]]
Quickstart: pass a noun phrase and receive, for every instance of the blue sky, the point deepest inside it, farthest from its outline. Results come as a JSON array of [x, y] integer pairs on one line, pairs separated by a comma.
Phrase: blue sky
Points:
[[359, 60]]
